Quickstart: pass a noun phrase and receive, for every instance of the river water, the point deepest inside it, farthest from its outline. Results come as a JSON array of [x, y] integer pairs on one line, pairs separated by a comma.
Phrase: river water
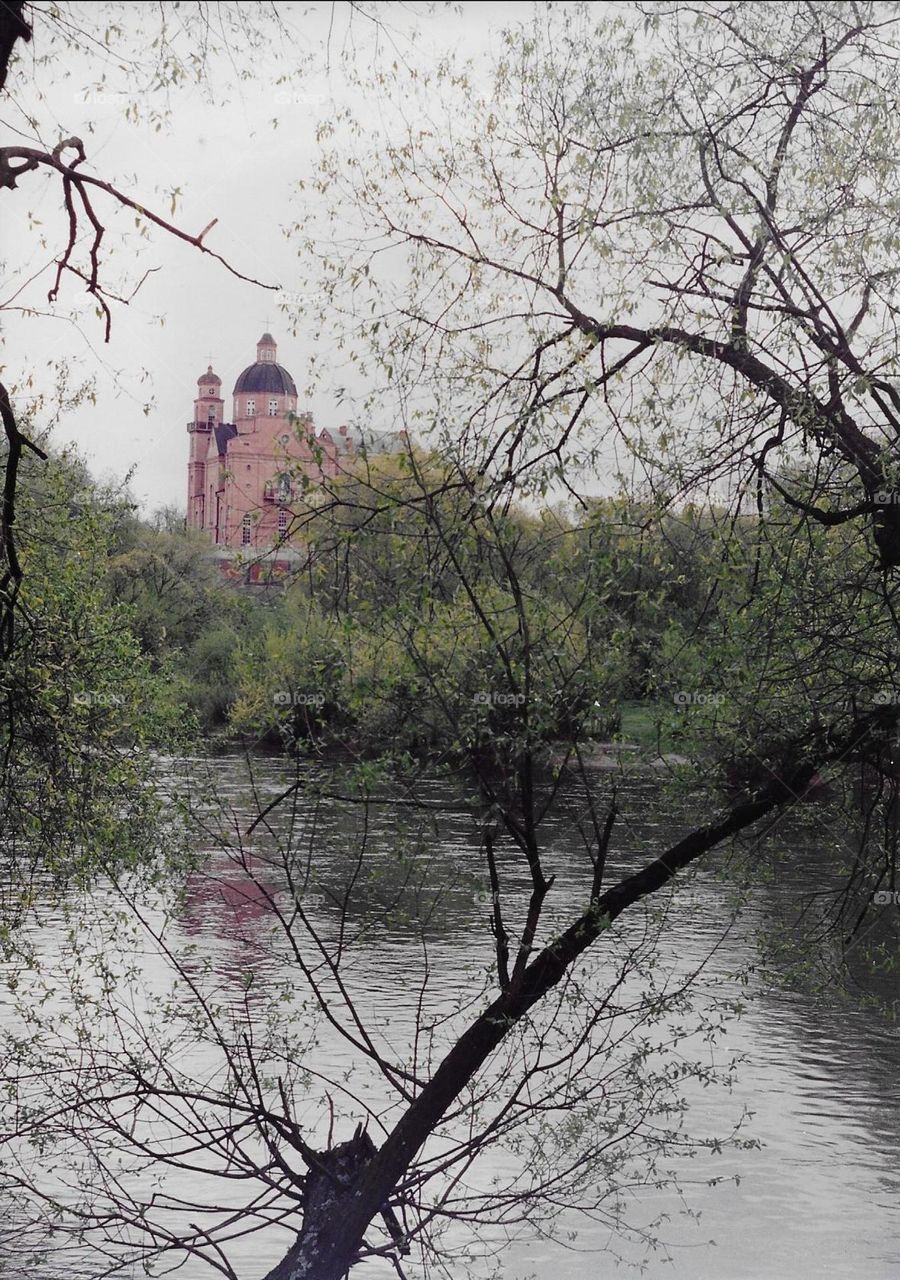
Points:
[[816, 1198]]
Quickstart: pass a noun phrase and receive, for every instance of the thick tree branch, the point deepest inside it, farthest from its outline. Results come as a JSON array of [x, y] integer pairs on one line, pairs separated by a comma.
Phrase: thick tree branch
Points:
[[13, 27], [15, 161], [338, 1242], [801, 405], [11, 578]]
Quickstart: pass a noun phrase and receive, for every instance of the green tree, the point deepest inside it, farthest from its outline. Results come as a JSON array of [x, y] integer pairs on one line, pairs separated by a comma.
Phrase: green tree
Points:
[[82, 708], [164, 572]]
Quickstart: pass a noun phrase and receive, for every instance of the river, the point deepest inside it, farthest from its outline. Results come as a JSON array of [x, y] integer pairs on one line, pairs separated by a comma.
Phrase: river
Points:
[[817, 1198]]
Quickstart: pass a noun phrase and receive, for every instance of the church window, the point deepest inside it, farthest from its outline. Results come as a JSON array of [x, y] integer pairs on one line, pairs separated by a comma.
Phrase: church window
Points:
[[251, 408], [245, 530], [273, 408], [282, 522]]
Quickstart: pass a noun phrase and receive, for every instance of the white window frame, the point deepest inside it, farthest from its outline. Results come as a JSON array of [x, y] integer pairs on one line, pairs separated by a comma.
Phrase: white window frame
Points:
[[251, 408], [273, 408], [246, 530]]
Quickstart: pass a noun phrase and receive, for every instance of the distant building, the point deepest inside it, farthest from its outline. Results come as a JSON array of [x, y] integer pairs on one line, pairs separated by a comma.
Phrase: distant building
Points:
[[243, 475]]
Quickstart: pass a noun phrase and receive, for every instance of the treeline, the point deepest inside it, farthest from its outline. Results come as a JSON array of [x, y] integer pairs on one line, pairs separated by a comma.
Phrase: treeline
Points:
[[419, 618], [426, 616]]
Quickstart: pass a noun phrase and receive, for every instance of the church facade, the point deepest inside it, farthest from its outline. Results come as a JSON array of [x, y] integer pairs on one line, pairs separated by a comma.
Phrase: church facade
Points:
[[244, 475]]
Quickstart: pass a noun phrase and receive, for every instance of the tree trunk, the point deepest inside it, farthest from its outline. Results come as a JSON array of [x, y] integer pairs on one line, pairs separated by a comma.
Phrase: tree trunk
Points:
[[329, 1248], [13, 27]]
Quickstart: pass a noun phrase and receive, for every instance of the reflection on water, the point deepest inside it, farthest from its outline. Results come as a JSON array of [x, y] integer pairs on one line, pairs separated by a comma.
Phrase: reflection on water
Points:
[[817, 1199]]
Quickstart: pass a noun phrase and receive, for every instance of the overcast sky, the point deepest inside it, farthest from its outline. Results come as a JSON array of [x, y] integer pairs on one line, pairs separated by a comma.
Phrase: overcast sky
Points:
[[238, 160]]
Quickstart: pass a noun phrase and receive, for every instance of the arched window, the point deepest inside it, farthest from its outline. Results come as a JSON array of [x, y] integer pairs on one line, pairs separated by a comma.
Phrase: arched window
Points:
[[251, 408], [245, 530], [282, 522]]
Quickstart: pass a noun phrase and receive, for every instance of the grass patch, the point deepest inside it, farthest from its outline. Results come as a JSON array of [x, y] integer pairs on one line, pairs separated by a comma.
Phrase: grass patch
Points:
[[639, 725]]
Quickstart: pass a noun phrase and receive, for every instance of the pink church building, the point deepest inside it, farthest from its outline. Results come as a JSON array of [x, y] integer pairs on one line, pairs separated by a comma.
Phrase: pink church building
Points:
[[243, 474]]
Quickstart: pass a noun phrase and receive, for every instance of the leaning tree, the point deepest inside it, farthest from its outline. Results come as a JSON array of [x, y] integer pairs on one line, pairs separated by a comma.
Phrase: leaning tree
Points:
[[659, 244]]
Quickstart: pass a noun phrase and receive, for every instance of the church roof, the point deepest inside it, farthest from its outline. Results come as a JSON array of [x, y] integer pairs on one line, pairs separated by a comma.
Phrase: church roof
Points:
[[266, 376], [224, 431], [209, 376]]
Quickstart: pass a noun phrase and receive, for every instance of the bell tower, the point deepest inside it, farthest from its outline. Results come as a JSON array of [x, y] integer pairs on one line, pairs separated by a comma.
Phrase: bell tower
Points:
[[208, 414], [266, 350]]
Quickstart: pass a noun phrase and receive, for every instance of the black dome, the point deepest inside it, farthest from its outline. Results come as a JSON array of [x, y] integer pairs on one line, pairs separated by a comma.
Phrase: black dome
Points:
[[265, 375]]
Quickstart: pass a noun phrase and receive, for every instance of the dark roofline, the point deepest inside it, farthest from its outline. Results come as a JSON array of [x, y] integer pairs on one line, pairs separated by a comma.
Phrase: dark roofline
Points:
[[265, 376], [225, 431]]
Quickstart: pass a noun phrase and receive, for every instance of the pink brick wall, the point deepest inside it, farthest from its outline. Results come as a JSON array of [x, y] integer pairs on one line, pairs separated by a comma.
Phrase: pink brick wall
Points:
[[267, 445]]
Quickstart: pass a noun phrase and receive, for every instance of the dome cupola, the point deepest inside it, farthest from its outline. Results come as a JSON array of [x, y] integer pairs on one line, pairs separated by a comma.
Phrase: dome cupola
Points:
[[266, 376]]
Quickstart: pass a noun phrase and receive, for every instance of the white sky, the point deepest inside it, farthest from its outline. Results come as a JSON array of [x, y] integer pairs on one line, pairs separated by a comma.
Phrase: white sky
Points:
[[238, 161]]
